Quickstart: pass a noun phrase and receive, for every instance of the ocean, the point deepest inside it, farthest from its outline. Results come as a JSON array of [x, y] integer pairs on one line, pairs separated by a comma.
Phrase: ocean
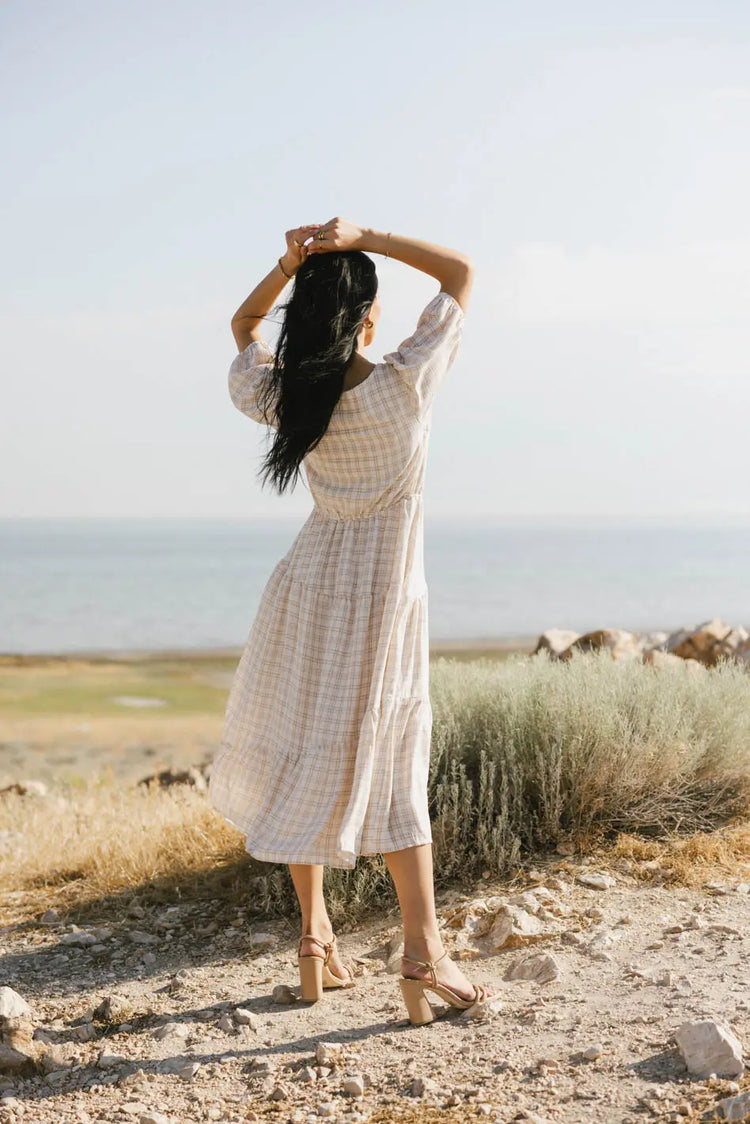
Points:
[[89, 585]]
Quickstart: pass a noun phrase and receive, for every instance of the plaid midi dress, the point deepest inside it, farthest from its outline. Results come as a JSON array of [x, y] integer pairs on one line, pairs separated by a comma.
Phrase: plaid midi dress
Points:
[[326, 743]]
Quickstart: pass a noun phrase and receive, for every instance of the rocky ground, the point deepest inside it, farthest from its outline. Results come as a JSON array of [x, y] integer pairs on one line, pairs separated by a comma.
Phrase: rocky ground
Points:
[[188, 1014]]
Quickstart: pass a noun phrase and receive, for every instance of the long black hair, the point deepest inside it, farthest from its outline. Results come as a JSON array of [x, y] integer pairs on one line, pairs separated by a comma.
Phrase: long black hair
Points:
[[330, 300]]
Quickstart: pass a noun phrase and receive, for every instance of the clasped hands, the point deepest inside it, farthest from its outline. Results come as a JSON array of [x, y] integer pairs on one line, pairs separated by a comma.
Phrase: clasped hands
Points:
[[337, 234]]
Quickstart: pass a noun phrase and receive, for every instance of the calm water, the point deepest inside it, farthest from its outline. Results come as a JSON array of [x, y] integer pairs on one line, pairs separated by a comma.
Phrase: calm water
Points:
[[91, 585]]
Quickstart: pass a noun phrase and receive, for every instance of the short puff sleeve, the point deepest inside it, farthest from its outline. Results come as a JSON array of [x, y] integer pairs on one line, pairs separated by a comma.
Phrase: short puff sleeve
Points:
[[247, 374], [424, 358]]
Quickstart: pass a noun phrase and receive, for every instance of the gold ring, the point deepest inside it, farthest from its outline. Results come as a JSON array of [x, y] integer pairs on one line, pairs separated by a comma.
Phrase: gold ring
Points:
[[321, 235]]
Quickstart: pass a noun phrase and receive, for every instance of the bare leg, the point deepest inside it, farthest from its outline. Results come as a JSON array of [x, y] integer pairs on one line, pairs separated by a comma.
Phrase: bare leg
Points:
[[412, 873], [308, 882]]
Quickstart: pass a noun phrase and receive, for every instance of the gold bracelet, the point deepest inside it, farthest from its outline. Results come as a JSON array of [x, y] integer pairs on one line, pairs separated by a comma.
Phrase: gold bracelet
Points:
[[387, 241], [287, 275]]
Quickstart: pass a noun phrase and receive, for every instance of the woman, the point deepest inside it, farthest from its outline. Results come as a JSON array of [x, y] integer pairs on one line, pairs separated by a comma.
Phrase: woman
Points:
[[325, 749]]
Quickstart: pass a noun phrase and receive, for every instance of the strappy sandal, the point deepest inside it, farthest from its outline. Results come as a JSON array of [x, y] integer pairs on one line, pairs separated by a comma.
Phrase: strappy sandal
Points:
[[418, 1005], [314, 973]]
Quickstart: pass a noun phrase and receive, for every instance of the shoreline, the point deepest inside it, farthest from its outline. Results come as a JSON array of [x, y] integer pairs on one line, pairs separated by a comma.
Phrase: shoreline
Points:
[[457, 647]]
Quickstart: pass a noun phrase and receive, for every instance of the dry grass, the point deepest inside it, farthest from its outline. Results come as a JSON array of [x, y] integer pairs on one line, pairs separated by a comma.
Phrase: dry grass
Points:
[[94, 851], [693, 861], [88, 845]]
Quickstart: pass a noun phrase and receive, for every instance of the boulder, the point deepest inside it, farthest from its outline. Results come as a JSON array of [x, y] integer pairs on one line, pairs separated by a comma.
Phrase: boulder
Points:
[[620, 644], [733, 644], [651, 641], [708, 1047], [703, 643], [555, 641]]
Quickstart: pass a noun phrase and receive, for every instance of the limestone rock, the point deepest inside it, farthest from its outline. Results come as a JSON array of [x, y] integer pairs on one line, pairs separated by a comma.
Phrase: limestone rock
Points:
[[110, 1061], [112, 1009], [596, 880], [263, 1067], [514, 926], [243, 1017], [652, 641], [735, 1108], [475, 917], [18, 1051], [353, 1086], [483, 1012], [733, 644], [327, 1053], [555, 641], [13, 1005], [708, 1047], [171, 1030], [283, 994], [542, 903], [620, 644], [541, 968], [17, 1061], [394, 952], [78, 939], [702, 643], [137, 936], [261, 938], [421, 1085]]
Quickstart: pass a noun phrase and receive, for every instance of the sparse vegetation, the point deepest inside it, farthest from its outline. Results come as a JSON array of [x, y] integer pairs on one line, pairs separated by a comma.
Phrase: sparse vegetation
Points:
[[527, 753]]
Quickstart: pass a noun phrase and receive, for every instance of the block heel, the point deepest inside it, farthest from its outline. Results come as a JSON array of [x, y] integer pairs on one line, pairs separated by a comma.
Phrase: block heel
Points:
[[314, 972], [311, 977], [418, 1006]]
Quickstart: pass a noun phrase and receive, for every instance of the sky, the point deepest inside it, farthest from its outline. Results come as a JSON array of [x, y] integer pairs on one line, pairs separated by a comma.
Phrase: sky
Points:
[[592, 158]]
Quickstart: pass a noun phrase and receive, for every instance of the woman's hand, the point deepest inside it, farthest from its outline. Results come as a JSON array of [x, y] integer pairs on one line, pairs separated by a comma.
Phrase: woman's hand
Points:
[[339, 234], [296, 250]]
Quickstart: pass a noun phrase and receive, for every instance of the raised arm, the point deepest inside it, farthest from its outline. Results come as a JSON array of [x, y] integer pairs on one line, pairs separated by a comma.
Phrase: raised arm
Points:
[[247, 318], [453, 269]]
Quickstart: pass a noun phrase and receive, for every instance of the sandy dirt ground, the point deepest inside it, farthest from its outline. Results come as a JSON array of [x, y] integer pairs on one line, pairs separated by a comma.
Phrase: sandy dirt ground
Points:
[[176, 1012]]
